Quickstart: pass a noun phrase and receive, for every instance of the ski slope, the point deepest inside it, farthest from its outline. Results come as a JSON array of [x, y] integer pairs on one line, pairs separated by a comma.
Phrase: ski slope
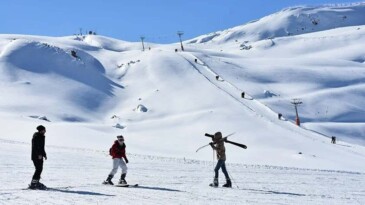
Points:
[[164, 180], [164, 101]]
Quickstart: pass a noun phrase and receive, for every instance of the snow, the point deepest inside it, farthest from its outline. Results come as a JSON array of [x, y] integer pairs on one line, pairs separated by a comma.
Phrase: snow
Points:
[[173, 180], [164, 101], [289, 22]]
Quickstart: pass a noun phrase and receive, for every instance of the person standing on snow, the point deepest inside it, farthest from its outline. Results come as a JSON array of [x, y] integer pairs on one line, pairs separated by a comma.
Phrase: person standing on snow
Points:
[[117, 151], [38, 153], [218, 145]]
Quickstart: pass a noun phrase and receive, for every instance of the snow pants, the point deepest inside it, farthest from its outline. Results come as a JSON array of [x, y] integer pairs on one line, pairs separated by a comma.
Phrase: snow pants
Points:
[[119, 162], [38, 164], [221, 164]]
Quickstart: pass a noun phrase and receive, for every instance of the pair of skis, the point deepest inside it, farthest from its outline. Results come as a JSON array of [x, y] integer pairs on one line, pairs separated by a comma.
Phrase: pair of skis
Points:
[[224, 139]]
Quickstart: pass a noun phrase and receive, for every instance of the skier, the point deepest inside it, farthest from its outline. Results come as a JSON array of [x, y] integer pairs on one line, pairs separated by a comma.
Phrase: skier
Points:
[[117, 151], [333, 140], [221, 156], [38, 153]]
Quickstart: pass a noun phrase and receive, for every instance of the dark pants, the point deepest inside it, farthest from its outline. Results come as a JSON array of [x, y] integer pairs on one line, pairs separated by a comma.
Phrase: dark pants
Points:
[[221, 164], [38, 164]]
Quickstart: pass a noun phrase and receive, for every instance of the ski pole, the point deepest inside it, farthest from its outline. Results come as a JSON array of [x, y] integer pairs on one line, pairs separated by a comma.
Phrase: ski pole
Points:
[[230, 175]]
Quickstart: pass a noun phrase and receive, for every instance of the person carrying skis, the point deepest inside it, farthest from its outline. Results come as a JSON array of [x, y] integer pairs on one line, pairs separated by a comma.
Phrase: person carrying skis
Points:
[[218, 145], [117, 151], [38, 153]]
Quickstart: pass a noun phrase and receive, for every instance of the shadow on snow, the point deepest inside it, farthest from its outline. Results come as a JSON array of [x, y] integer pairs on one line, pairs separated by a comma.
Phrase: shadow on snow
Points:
[[274, 192], [79, 192], [156, 188]]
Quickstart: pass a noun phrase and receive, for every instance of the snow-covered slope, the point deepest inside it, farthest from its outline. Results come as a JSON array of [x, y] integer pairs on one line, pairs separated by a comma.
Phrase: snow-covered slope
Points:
[[324, 69], [291, 21], [75, 177], [182, 100], [42, 78]]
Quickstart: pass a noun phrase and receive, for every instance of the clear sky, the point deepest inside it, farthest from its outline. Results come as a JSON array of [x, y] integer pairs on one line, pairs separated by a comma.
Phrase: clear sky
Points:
[[157, 20]]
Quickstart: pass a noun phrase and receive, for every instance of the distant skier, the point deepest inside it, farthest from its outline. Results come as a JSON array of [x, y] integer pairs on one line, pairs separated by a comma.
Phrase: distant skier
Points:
[[38, 153], [333, 140], [117, 151], [218, 145], [73, 54]]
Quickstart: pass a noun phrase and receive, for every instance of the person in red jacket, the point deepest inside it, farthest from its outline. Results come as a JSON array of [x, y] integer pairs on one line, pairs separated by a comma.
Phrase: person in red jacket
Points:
[[117, 151]]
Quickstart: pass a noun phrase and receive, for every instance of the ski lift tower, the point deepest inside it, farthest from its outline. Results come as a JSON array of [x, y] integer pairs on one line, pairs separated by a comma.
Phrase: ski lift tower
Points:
[[296, 103], [142, 39], [180, 33]]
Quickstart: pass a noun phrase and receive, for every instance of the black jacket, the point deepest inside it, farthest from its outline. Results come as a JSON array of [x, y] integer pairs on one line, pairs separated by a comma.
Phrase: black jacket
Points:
[[38, 146]]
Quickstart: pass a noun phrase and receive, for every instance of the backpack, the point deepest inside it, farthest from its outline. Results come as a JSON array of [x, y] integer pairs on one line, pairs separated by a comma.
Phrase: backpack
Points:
[[110, 151]]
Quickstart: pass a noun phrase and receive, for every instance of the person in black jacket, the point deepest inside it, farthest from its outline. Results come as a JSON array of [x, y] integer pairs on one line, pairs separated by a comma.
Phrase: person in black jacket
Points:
[[38, 153]]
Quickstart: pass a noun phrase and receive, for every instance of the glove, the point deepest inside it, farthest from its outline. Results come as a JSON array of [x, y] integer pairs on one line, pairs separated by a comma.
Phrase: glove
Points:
[[211, 144], [45, 157], [126, 160]]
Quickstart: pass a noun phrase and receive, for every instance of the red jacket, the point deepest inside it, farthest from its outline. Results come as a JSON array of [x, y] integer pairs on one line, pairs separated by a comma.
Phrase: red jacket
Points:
[[117, 150]]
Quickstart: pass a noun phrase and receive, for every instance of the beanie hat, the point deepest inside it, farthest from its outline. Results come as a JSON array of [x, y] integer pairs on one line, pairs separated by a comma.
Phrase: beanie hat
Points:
[[120, 137], [217, 136], [41, 128]]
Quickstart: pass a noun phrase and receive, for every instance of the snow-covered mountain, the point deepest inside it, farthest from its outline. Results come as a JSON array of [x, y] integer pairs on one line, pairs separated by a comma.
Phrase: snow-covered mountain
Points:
[[289, 22], [88, 89]]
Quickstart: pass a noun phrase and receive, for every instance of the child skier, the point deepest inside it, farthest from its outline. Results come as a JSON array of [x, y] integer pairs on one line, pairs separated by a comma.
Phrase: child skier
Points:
[[218, 145], [117, 151]]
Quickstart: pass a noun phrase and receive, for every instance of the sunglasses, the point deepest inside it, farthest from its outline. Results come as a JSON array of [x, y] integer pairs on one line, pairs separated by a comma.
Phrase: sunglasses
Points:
[[120, 140]]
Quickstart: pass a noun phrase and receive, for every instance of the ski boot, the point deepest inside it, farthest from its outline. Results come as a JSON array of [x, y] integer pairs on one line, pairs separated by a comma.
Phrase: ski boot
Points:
[[122, 181], [215, 183], [42, 186], [108, 180], [228, 184], [35, 184]]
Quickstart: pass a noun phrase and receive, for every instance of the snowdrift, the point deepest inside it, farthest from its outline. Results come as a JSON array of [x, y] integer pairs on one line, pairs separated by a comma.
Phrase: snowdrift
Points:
[[42, 70]]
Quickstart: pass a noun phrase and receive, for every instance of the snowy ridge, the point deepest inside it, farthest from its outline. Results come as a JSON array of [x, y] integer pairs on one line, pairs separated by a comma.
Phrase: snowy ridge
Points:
[[290, 21]]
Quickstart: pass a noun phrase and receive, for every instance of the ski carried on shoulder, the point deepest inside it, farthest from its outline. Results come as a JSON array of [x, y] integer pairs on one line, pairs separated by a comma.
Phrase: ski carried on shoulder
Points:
[[224, 139]]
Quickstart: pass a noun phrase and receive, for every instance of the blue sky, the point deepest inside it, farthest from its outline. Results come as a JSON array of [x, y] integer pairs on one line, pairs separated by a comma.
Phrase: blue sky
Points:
[[157, 20]]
